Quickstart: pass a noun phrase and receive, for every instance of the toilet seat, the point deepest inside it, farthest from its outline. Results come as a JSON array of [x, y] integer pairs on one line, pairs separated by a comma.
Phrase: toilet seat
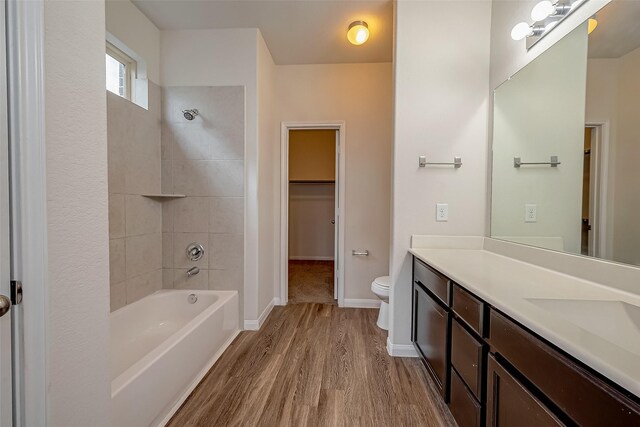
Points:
[[381, 286]]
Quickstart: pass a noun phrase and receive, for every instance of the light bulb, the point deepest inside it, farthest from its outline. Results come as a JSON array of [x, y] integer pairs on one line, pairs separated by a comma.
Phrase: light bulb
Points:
[[542, 10], [358, 32], [520, 31]]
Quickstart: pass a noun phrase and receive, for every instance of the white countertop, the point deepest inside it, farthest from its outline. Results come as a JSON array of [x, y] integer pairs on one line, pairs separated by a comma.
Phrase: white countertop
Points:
[[508, 284]]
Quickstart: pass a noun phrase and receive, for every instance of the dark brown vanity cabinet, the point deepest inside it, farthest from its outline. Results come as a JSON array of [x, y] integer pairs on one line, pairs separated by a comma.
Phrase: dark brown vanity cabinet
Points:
[[431, 317], [493, 371]]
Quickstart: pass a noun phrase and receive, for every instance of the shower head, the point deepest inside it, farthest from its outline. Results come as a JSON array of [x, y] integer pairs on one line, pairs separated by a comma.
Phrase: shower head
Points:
[[190, 114]]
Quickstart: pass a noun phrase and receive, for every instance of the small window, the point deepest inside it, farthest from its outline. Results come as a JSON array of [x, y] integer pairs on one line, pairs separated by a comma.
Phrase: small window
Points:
[[121, 72]]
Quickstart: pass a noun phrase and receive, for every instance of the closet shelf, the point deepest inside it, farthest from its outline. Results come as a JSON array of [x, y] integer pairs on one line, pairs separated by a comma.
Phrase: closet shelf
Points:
[[312, 181], [165, 196]]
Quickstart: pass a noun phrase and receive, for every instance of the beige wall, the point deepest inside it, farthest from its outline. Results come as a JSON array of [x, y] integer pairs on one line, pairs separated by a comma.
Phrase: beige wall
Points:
[[268, 151], [441, 103], [135, 221], [312, 155], [361, 95], [78, 380]]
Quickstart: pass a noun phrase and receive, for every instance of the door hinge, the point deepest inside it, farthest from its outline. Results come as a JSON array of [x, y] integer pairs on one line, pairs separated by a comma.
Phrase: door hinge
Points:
[[16, 292]]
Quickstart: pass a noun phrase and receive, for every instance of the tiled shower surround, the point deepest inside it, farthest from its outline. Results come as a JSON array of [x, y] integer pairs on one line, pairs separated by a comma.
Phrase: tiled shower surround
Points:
[[159, 151], [135, 222], [204, 159]]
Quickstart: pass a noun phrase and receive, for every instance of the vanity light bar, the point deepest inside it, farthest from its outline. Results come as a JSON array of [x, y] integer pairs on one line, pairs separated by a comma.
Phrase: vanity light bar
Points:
[[546, 15]]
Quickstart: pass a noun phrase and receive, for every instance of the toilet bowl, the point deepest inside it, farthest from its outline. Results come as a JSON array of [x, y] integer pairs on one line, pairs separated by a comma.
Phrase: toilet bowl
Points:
[[381, 286]]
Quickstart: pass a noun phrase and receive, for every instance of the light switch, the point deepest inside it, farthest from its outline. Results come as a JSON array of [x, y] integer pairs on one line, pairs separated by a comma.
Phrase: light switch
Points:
[[442, 212], [530, 213]]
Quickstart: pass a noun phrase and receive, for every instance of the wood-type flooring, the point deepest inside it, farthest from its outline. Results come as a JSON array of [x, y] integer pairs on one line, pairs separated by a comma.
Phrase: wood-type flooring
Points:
[[314, 365]]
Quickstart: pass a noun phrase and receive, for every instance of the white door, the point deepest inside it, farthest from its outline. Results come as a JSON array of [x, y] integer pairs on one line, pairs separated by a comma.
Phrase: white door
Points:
[[336, 240], [6, 400]]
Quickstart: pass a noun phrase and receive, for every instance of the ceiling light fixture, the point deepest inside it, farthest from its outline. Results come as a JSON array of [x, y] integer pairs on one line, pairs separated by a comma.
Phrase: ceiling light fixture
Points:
[[358, 32]]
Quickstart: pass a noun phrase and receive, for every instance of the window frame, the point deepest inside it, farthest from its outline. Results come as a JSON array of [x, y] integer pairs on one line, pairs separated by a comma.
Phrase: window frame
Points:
[[130, 67]]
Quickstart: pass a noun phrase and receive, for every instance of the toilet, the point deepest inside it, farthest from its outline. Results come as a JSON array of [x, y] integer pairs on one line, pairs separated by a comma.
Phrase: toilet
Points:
[[381, 286]]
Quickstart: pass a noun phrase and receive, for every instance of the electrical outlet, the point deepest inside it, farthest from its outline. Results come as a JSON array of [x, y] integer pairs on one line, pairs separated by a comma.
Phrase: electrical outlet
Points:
[[442, 212], [530, 213]]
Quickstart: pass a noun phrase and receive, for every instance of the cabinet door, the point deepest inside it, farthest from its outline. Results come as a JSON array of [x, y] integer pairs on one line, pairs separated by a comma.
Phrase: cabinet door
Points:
[[511, 404], [430, 335]]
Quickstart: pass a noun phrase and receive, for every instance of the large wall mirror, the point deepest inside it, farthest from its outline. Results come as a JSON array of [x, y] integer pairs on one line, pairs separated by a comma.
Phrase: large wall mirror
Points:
[[566, 143]]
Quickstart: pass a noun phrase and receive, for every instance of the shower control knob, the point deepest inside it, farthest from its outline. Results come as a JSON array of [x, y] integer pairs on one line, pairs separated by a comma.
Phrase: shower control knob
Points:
[[195, 251]]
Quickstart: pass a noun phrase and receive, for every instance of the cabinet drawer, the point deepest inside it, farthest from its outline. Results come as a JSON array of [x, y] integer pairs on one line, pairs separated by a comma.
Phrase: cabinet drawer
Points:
[[430, 336], [464, 407], [580, 394], [509, 403], [467, 358], [432, 280], [469, 308]]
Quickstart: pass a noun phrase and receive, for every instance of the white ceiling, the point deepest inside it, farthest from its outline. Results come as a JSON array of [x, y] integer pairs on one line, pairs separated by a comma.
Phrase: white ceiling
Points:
[[618, 31], [296, 31]]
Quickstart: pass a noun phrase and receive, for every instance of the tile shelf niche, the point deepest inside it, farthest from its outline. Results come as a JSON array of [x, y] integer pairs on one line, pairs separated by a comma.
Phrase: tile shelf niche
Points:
[[165, 196]]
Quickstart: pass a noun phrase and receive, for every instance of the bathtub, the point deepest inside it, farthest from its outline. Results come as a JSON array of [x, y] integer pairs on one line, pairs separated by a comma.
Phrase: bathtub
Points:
[[161, 347]]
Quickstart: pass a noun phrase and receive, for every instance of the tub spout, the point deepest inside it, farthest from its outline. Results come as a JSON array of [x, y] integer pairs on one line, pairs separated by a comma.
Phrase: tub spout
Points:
[[193, 271]]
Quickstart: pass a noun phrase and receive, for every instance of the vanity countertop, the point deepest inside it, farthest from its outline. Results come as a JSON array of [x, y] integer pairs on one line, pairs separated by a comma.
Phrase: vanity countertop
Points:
[[598, 325]]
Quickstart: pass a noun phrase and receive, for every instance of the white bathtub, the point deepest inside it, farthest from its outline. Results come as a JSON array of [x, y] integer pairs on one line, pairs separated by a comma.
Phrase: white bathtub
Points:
[[161, 347]]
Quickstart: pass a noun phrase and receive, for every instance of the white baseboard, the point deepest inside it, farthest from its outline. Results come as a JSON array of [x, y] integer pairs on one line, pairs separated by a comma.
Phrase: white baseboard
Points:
[[164, 420], [401, 350], [255, 325], [361, 303], [310, 258]]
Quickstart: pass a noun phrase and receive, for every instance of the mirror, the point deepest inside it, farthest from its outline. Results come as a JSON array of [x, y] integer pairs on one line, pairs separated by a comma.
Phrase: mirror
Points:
[[566, 143]]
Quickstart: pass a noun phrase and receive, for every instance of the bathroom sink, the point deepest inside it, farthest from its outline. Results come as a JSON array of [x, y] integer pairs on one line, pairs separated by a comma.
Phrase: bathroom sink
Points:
[[614, 321]]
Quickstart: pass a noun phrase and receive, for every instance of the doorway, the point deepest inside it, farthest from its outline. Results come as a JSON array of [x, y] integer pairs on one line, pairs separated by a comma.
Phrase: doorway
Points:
[[594, 176], [311, 224]]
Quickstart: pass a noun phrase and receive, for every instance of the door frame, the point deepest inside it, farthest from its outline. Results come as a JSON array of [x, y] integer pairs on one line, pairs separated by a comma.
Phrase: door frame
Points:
[[25, 39], [339, 126], [599, 194], [6, 323]]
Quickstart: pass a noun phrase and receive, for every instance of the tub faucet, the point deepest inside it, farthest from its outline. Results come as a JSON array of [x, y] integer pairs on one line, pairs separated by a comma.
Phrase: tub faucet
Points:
[[193, 271]]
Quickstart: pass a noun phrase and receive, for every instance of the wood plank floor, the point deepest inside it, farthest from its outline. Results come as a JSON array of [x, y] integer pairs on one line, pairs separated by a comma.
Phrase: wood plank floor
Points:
[[315, 365], [311, 281]]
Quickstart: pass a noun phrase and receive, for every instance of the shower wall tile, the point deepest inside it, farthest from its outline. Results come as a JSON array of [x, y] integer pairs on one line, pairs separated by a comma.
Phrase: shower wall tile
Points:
[[191, 214], [167, 278], [204, 159], [226, 251], [167, 215], [226, 280], [134, 168], [180, 243], [116, 261], [116, 216], [143, 215], [143, 285], [226, 215], [142, 173], [118, 295], [167, 250], [199, 281], [166, 177], [143, 254]]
